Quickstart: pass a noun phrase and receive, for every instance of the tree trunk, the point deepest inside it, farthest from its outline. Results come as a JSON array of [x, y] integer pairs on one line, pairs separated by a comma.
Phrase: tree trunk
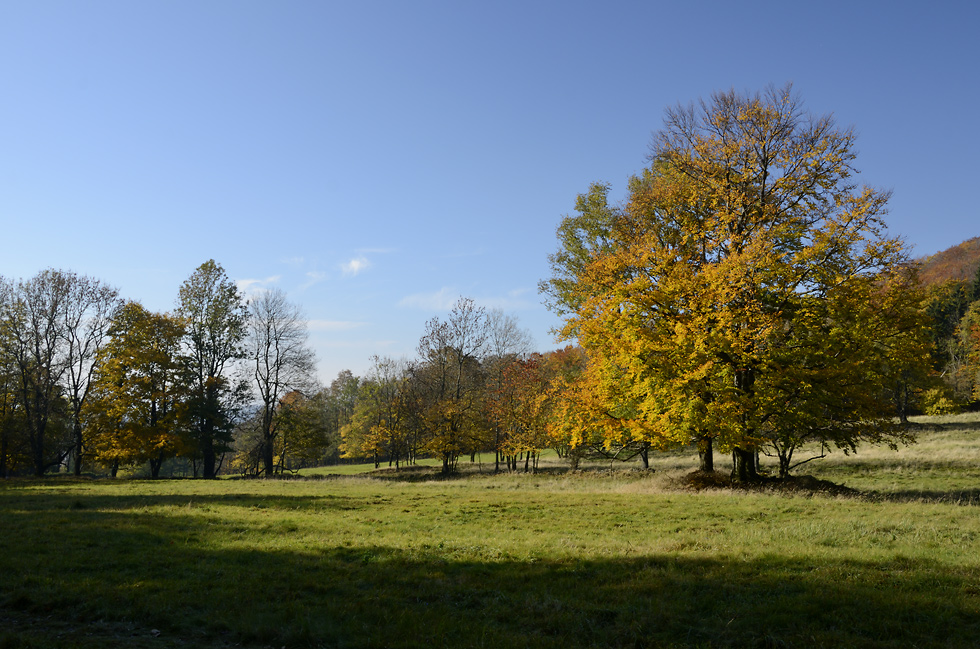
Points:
[[3, 452], [268, 457], [208, 458], [706, 455], [78, 449], [744, 466], [645, 455], [155, 467]]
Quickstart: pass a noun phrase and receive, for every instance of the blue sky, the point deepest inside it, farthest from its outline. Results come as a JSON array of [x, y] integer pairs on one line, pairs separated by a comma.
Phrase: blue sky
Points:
[[376, 160]]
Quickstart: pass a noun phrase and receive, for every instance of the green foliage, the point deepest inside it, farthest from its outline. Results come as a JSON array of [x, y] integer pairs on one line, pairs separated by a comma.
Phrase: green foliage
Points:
[[580, 238], [215, 315]]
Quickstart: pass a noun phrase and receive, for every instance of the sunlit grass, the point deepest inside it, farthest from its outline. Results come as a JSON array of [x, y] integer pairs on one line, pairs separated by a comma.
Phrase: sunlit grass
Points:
[[595, 558]]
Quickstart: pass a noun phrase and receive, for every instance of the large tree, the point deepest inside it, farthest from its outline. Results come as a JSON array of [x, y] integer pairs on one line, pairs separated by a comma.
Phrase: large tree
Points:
[[215, 315], [281, 362], [137, 410], [746, 287]]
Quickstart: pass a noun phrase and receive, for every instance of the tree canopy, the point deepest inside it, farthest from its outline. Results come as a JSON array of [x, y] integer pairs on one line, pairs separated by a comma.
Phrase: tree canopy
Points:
[[746, 291]]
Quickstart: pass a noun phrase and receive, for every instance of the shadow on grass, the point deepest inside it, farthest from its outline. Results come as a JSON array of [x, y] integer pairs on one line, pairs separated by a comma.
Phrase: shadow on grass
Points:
[[166, 581], [965, 497], [942, 427]]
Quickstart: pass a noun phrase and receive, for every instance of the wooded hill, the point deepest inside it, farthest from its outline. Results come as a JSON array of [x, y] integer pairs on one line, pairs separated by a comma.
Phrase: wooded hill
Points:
[[958, 263]]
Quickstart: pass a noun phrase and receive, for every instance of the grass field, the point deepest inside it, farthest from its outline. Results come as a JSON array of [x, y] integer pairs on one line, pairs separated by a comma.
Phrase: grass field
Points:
[[599, 558]]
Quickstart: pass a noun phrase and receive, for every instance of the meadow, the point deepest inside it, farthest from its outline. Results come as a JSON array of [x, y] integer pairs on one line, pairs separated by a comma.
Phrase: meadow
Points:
[[878, 549]]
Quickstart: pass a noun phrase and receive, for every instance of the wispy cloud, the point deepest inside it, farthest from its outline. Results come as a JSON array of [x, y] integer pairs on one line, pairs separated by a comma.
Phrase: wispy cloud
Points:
[[252, 287], [441, 300], [355, 266], [312, 277]]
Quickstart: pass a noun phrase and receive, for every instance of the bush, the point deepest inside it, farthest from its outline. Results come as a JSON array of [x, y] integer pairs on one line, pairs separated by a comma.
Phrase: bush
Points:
[[938, 401]]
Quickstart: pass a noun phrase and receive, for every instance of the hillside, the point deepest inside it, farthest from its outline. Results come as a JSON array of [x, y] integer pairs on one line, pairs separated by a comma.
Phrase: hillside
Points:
[[957, 263]]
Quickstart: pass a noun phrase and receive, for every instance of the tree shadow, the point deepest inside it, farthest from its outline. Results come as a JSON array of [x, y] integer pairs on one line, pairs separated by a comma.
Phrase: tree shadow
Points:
[[942, 427], [964, 497], [143, 570]]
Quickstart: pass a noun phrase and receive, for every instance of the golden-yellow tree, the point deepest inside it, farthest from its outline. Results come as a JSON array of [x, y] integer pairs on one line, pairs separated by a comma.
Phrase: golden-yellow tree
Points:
[[137, 408], [746, 291]]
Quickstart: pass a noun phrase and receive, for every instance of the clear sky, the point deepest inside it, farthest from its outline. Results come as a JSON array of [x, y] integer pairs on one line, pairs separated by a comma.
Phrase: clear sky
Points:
[[376, 160]]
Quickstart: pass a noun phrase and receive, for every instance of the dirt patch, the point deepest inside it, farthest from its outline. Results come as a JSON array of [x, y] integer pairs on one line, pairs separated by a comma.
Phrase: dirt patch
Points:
[[804, 484]]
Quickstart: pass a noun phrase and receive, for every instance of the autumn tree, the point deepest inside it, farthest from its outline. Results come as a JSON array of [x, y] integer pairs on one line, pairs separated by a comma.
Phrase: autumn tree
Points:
[[507, 342], [449, 380], [138, 406], [280, 359], [87, 310], [517, 404], [736, 295], [969, 334], [378, 428], [304, 430], [215, 316]]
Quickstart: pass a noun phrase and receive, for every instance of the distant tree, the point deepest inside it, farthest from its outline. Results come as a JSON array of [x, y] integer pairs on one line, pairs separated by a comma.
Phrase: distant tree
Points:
[[14, 451], [449, 383], [281, 361], [507, 342], [344, 391], [945, 305], [378, 429], [304, 430], [87, 310], [518, 406], [215, 316], [33, 330], [969, 334]]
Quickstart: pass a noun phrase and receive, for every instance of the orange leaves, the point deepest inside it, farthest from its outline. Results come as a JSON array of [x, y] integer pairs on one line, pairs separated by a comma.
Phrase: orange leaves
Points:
[[734, 296]]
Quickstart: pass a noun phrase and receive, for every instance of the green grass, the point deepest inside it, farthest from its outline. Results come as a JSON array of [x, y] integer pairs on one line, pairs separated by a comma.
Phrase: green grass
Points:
[[598, 558]]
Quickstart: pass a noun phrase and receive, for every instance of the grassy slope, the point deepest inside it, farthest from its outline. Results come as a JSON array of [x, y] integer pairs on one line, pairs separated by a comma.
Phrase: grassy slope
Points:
[[591, 559]]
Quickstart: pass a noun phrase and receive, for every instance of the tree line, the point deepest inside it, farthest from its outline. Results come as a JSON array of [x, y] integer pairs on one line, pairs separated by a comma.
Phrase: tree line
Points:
[[86, 377], [225, 384], [745, 297]]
